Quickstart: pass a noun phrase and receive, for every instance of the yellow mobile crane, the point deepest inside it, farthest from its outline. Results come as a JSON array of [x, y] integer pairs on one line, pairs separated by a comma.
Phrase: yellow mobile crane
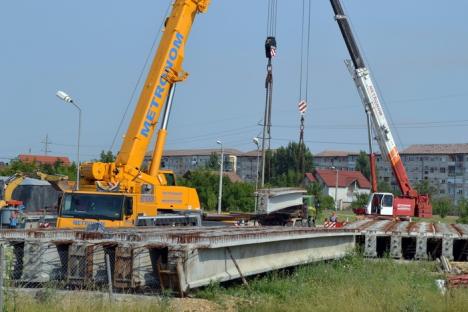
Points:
[[10, 185], [122, 194]]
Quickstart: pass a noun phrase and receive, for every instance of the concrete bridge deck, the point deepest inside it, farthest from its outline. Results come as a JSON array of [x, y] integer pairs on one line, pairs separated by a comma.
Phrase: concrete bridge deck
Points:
[[412, 240], [154, 259]]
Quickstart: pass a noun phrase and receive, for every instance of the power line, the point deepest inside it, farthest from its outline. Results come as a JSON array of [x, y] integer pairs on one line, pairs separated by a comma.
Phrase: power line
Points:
[[46, 143]]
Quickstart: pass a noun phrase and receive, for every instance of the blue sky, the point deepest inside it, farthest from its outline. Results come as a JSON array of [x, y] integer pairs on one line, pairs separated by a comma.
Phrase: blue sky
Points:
[[417, 51]]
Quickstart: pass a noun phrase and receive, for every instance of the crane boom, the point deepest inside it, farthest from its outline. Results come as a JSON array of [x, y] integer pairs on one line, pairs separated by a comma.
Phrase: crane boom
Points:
[[122, 193], [165, 71], [371, 102], [411, 202]]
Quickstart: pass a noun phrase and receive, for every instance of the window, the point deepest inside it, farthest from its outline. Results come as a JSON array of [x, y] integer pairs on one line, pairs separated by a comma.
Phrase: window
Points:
[[170, 178], [387, 201], [442, 170], [93, 206]]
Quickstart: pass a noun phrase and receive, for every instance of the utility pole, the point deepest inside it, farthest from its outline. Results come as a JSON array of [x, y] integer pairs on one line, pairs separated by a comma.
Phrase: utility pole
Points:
[[46, 143], [255, 141], [336, 188], [220, 192]]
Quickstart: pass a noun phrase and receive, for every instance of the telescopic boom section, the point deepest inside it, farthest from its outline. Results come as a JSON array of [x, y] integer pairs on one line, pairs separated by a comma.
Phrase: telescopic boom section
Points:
[[371, 102], [165, 71]]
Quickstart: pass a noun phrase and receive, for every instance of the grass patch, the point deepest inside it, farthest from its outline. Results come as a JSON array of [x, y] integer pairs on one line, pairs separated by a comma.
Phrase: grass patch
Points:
[[351, 284]]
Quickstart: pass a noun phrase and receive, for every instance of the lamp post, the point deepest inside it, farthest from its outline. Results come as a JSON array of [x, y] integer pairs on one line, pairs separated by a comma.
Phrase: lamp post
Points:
[[336, 188], [220, 194], [256, 142], [67, 99]]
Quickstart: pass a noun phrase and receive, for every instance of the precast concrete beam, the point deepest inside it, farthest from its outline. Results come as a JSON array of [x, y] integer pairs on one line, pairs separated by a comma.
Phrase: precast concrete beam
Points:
[[447, 246], [204, 265], [41, 263], [370, 246], [421, 247], [395, 245]]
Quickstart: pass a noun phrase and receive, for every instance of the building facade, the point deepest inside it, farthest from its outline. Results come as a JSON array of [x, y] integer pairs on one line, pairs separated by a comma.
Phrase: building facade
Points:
[[182, 161], [342, 185], [444, 166]]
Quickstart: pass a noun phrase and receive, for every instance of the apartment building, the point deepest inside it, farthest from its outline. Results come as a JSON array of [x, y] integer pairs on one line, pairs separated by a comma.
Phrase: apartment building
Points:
[[181, 161], [444, 166]]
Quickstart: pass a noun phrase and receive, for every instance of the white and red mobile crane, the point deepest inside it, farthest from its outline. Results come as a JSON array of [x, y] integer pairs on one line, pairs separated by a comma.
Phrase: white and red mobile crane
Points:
[[410, 203]]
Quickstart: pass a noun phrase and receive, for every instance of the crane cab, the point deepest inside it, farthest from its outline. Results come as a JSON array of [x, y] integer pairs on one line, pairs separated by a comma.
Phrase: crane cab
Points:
[[387, 204], [380, 204]]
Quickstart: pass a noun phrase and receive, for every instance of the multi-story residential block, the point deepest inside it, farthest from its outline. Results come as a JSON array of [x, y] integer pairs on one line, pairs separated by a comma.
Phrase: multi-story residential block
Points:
[[181, 161], [341, 160], [248, 164], [444, 166], [243, 164]]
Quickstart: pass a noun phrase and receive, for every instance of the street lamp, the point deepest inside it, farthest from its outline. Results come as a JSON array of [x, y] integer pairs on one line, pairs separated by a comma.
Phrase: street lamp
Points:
[[220, 194], [256, 142], [336, 188], [67, 99]]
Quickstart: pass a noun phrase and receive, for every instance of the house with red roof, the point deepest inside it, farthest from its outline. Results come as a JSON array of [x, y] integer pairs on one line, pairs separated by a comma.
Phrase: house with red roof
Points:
[[342, 185], [44, 159]]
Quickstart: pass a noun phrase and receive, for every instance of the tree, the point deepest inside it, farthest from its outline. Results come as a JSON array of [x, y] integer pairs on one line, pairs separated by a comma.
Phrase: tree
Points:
[[237, 196], [385, 187], [462, 208], [327, 202], [30, 168], [282, 165], [360, 201], [442, 206], [213, 162], [316, 190], [424, 187], [363, 164], [205, 182], [106, 157]]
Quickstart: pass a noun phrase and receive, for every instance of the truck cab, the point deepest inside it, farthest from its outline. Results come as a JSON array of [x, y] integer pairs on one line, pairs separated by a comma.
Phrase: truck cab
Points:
[[79, 209]]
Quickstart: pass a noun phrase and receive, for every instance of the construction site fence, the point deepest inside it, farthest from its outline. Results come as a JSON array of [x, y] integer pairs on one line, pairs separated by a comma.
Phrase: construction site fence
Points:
[[91, 267]]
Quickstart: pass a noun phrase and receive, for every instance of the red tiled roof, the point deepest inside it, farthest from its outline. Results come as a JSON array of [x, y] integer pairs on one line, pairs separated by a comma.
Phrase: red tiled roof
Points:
[[310, 177], [345, 178], [43, 159]]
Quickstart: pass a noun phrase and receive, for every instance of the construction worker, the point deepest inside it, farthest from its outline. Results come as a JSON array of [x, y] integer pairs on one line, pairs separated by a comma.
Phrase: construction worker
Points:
[[13, 219], [309, 210]]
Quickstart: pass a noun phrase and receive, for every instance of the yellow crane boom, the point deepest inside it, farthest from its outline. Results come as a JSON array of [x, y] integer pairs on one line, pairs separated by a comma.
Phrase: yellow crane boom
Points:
[[143, 194]]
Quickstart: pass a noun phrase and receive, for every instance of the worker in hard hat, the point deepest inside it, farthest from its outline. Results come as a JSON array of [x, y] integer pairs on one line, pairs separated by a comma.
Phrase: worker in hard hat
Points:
[[311, 211]]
